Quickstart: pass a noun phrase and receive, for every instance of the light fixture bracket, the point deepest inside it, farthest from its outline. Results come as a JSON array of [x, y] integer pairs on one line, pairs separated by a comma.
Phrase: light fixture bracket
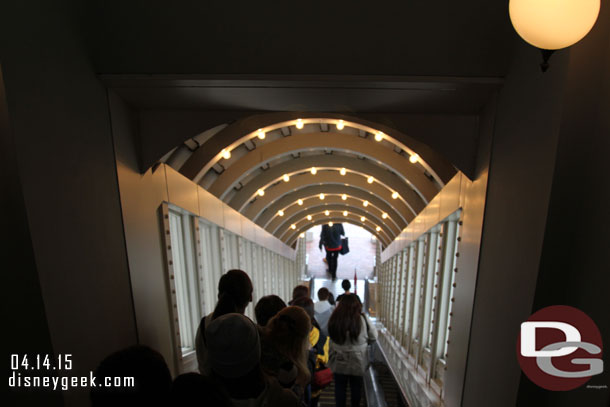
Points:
[[546, 55]]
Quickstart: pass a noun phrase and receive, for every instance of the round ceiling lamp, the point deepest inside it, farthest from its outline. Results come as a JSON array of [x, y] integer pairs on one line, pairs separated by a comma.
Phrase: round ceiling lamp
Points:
[[553, 24]]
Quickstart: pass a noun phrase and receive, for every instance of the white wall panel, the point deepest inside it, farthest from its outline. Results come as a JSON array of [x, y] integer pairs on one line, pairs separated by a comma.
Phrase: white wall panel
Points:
[[210, 207], [181, 191]]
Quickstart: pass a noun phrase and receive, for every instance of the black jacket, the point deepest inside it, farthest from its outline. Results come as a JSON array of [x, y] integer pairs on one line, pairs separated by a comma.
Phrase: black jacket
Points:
[[331, 236]]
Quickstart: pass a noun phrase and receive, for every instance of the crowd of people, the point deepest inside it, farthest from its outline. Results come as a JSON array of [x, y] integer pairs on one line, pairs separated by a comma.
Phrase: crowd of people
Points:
[[284, 358]]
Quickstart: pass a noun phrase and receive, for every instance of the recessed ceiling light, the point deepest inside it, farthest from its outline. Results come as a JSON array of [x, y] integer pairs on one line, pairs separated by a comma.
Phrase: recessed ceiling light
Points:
[[379, 136], [365, 203], [326, 213], [330, 223], [314, 171], [362, 218], [370, 180], [321, 197], [299, 124], [394, 195], [340, 125], [226, 154], [377, 228], [261, 192], [344, 197], [385, 215], [342, 171], [293, 226], [286, 177], [280, 212], [414, 158], [344, 213], [308, 217], [300, 202], [261, 134]]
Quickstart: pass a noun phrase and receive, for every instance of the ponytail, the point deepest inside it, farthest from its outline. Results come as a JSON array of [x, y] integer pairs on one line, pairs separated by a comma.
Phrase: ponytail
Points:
[[225, 305]]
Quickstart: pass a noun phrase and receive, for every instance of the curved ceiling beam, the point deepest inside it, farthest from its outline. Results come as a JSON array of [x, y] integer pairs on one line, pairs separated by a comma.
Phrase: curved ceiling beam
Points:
[[311, 190], [298, 165], [290, 239], [242, 130], [371, 149], [334, 210], [335, 201], [303, 180]]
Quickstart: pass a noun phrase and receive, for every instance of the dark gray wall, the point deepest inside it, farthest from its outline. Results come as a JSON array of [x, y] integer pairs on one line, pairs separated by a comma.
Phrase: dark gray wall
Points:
[[520, 174], [574, 269], [22, 305], [549, 151], [63, 144], [385, 37]]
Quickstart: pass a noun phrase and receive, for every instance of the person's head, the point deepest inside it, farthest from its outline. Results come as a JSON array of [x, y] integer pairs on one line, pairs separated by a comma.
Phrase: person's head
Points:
[[300, 291], [233, 345], [346, 285], [323, 294], [267, 307], [307, 304], [345, 322], [148, 368], [234, 352], [289, 333], [234, 293], [193, 386]]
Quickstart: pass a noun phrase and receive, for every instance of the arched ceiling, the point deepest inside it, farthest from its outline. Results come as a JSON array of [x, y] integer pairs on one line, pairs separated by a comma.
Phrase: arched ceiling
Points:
[[274, 172], [356, 186], [332, 202], [333, 193]]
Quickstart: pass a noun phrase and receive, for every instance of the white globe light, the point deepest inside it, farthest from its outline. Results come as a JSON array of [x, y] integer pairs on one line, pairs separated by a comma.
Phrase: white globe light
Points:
[[553, 24]]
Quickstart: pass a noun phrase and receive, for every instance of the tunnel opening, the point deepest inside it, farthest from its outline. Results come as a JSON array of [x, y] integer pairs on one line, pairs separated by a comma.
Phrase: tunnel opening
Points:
[[253, 194]]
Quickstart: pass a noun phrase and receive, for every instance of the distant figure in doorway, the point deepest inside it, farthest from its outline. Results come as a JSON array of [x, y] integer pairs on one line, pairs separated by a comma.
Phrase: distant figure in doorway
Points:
[[350, 333], [323, 309], [330, 238], [347, 286]]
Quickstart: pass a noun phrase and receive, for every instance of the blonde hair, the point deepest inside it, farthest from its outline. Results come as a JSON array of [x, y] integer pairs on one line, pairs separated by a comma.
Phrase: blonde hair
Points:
[[289, 330]]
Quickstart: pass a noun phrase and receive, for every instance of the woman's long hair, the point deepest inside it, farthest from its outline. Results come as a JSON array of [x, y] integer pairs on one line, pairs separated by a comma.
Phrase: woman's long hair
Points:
[[234, 293], [288, 331], [345, 322]]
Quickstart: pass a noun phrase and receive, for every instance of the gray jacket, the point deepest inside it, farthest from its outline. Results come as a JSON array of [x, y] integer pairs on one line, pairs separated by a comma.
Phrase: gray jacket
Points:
[[351, 358]]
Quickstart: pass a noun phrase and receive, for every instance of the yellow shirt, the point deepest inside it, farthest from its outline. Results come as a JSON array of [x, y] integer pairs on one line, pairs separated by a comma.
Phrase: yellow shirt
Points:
[[314, 337]]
